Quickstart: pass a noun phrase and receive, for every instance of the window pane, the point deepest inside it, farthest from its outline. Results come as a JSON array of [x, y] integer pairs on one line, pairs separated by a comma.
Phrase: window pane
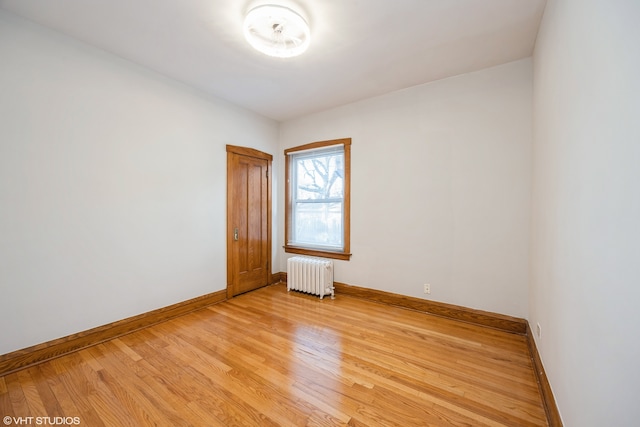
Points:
[[319, 177], [318, 224]]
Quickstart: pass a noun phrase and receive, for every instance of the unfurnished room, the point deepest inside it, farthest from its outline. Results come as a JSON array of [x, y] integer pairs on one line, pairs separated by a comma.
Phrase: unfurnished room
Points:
[[320, 213]]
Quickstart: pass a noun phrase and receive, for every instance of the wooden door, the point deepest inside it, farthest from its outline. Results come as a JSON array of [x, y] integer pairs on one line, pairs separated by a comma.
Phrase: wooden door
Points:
[[248, 219]]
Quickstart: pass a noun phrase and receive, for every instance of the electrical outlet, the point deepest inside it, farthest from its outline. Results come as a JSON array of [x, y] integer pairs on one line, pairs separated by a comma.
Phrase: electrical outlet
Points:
[[427, 288], [538, 330]]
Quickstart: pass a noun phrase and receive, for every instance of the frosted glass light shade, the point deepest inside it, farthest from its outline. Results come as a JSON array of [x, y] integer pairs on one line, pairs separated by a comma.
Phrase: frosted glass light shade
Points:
[[277, 31]]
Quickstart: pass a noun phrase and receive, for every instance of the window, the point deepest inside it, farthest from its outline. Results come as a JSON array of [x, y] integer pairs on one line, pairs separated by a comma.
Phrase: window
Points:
[[318, 199]]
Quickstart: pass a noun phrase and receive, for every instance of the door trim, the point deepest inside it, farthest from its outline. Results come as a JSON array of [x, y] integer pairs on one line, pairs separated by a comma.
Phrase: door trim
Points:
[[248, 152]]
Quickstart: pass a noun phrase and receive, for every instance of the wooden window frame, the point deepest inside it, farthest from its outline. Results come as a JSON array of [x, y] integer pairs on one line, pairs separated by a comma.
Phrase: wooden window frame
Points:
[[345, 253]]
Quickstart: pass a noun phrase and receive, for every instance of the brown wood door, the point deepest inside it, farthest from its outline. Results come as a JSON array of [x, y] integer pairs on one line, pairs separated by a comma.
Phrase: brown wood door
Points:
[[248, 219]]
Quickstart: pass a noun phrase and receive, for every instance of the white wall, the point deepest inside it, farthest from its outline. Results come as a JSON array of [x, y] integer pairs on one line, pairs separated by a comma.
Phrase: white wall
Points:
[[440, 187], [585, 253], [112, 186]]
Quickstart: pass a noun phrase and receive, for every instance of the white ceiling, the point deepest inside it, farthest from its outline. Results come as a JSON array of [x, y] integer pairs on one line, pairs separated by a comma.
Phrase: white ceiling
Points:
[[359, 48]]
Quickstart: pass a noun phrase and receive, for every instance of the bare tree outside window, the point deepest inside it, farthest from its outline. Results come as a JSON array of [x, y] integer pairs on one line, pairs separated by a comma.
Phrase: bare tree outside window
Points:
[[318, 199]]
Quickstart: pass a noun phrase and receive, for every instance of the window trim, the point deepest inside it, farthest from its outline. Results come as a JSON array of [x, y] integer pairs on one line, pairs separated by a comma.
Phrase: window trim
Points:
[[345, 253]]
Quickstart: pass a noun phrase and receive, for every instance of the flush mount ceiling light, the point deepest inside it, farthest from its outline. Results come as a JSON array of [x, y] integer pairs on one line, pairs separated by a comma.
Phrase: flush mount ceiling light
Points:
[[277, 31]]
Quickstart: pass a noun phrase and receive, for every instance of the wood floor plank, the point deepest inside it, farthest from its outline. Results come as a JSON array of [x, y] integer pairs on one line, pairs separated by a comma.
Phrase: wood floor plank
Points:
[[133, 393], [49, 377], [78, 388], [31, 393], [278, 358], [227, 407], [16, 396], [145, 385]]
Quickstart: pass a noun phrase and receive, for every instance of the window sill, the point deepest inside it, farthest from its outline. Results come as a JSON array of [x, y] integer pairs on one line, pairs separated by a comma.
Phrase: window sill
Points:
[[317, 252]]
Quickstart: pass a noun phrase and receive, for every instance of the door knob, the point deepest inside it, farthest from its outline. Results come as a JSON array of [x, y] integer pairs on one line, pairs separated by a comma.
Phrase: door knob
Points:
[[235, 234]]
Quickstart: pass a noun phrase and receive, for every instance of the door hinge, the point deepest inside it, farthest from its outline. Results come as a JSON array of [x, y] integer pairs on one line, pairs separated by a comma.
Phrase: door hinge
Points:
[[267, 173]]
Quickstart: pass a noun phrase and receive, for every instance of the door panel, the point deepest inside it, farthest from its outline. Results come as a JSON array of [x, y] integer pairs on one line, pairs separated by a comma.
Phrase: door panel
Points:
[[252, 224], [249, 220]]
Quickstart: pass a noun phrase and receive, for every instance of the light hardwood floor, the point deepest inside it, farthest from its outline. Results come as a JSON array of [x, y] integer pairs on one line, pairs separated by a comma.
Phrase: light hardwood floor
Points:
[[272, 358]]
